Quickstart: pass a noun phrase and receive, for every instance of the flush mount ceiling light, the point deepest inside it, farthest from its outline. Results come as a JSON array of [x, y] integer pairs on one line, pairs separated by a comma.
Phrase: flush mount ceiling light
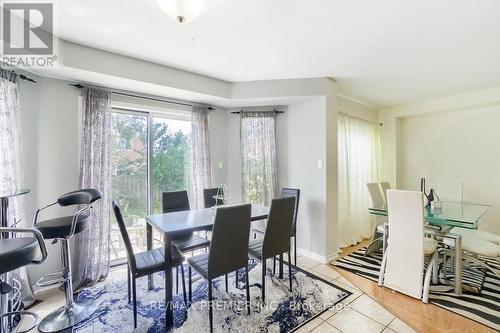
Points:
[[182, 11]]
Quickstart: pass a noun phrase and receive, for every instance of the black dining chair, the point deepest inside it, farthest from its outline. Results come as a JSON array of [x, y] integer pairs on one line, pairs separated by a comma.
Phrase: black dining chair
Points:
[[285, 193], [228, 250], [178, 201], [276, 239], [209, 194], [144, 263]]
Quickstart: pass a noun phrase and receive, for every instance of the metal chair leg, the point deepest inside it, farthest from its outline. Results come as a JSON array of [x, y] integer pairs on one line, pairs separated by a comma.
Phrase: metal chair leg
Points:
[[227, 283], [177, 280], [236, 278], [210, 308], [248, 289], [295, 250], [263, 281], [274, 265], [134, 301], [190, 286], [290, 270], [184, 285], [128, 283]]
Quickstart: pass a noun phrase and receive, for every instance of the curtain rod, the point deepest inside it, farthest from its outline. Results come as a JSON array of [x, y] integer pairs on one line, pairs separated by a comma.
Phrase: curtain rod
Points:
[[273, 110], [358, 118], [21, 76], [80, 86]]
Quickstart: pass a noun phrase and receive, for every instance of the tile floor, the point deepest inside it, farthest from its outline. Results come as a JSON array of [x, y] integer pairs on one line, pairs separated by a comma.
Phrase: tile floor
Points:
[[360, 313]]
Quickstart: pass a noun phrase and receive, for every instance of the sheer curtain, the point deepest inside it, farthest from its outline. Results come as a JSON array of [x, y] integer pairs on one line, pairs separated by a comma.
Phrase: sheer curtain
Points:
[[200, 150], [359, 163], [11, 169], [258, 157], [92, 248]]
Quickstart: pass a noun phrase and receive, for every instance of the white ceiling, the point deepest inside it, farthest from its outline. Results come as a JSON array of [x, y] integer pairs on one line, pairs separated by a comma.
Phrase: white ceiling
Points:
[[384, 52]]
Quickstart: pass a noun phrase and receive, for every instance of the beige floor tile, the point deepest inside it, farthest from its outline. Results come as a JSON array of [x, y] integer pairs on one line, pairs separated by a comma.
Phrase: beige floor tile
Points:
[[351, 321], [388, 330], [325, 328], [309, 326], [307, 263], [400, 327], [328, 313], [367, 306], [326, 270], [346, 282]]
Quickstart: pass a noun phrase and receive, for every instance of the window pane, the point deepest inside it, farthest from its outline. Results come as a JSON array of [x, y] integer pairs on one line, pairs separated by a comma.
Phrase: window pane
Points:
[[171, 157], [128, 150]]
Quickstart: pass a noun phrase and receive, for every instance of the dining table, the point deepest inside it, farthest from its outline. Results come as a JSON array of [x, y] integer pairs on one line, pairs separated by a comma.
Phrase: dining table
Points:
[[440, 218], [176, 223]]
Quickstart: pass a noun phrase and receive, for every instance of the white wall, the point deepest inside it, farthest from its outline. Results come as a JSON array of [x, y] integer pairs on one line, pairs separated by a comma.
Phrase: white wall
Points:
[[449, 141]]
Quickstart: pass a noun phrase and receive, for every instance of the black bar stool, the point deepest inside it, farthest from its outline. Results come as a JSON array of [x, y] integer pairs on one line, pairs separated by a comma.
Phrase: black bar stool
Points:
[[16, 253], [62, 229]]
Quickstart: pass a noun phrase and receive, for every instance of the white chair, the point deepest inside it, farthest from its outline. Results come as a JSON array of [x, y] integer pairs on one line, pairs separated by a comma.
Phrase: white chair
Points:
[[377, 201], [403, 261], [479, 234], [384, 186]]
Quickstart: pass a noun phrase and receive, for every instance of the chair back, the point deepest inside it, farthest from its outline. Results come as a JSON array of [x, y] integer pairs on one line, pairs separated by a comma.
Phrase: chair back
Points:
[[229, 244], [375, 194], [208, 196], [80, 197], [384, 186], [177, 201], [405, 244], [292, 192], [125, 237], [279, 227]]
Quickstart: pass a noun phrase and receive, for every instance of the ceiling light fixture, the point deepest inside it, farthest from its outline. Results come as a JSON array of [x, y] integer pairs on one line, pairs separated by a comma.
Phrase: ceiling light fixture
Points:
[[183, 11]]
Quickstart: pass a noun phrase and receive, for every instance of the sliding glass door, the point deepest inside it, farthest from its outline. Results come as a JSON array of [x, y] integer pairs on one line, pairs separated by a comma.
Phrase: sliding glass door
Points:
[[150, 154]]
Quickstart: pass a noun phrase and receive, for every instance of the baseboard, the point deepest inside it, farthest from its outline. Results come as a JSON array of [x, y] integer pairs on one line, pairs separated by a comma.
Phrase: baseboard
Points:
[[318, 257]]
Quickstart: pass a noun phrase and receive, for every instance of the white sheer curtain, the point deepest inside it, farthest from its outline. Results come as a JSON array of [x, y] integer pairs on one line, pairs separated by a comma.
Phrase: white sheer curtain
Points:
[[359, 163], [91, 251], [258, 157], [200, 151], [11, 169]]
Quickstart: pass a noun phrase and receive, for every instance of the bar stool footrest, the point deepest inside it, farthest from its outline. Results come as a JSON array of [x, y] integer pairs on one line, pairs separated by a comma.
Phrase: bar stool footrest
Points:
[[51, 280], [23, 313]]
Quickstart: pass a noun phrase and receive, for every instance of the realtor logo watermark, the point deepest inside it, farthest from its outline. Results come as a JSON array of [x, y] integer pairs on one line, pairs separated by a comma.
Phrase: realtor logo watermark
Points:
[[28, 34]]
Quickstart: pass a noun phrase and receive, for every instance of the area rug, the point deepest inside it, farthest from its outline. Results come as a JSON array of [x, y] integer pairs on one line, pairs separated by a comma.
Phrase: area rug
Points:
[[483, 308], [284, 311]]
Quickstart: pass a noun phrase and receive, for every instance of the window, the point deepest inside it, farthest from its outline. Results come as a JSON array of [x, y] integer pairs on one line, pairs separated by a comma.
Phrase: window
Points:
[[150, 154]]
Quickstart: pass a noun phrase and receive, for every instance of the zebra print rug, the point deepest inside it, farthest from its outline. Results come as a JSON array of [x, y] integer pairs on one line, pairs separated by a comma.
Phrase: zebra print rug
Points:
[[483, 308]]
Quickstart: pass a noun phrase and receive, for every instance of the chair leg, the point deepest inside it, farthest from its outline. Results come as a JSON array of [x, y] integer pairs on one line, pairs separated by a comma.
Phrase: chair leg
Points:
[[128, 283], [295, 250], [226, 280], [435, 270], [427, 280], [210, 308], [184, 285], [274, 265], [290, 270], [190, 286], [236, 278], [248, 289], [263, 281], [382, 270], [177, 280], [134, 301]]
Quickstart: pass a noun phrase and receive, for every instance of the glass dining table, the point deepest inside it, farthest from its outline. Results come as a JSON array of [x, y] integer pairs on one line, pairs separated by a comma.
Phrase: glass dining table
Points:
[[442, 217]]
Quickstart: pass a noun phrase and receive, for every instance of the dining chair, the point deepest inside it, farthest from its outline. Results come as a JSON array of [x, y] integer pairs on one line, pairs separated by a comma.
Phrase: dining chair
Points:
[[209, 194], [277, 236], [144, 263], [228, 250], [378, 232], [384, 186], [403, 261], [286, 193], [178, 201]]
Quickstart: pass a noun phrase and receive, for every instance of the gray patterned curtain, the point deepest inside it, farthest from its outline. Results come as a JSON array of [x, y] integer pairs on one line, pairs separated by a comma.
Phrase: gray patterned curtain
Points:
[[11, 169], [258, 157], [200, 150], [91, 249]]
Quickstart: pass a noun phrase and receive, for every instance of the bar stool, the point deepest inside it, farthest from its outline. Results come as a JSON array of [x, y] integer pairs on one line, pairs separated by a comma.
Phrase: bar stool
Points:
[[62, 229], [16, 253]]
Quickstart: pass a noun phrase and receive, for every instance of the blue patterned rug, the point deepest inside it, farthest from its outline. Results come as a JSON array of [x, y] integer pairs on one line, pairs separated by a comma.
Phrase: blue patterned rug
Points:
[[284, 311]]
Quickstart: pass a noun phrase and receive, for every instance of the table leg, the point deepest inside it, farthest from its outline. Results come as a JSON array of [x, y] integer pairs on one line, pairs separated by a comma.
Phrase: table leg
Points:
[[149, 244], [169, 313], [281, 266], [4, 208], [4, 301], [458, 265]]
